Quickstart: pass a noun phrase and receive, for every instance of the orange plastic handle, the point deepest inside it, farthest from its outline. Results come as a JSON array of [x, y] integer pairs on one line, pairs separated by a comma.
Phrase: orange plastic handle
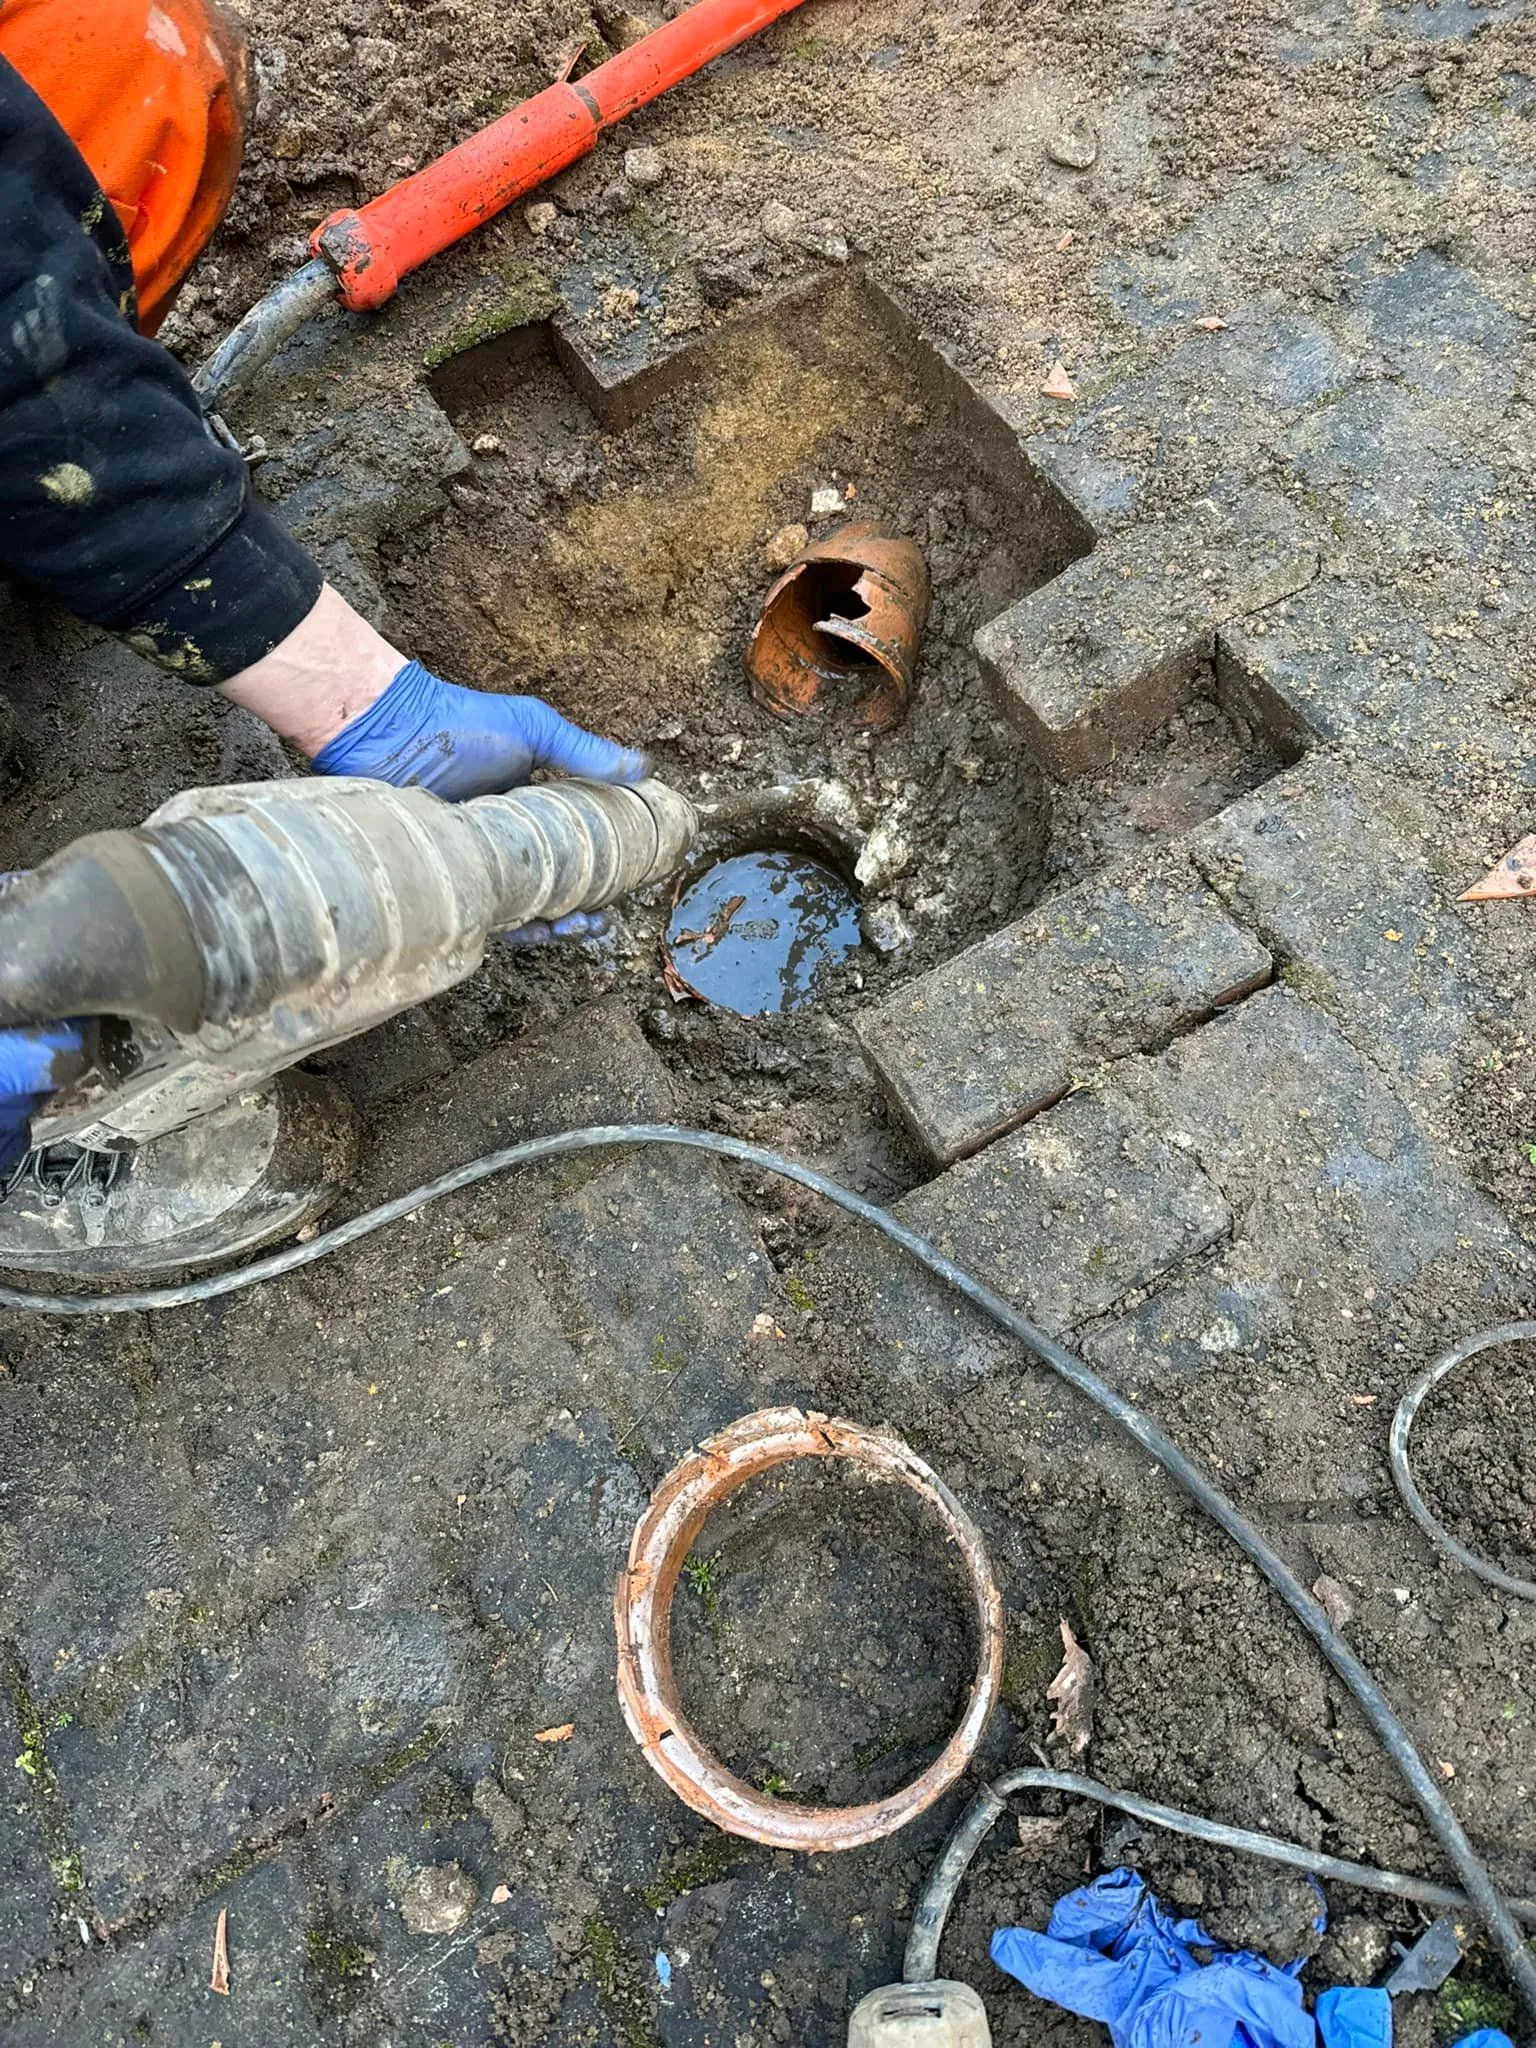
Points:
[[372, 248]]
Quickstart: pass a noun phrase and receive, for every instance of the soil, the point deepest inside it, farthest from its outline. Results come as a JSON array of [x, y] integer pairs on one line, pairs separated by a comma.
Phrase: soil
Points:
[[1474, 1457], [618, 573]]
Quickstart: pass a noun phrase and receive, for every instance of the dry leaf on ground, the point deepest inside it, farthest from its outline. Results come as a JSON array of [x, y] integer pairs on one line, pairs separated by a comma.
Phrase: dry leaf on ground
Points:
[[219, 1980], [1211, 324], [1058, 384], [561, 1734], [1072, 1691]]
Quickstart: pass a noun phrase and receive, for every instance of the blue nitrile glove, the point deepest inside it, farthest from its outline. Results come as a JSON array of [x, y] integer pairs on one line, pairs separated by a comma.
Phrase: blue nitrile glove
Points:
[[1485, 2037], [1354, 2016], [27, 1079], [1113, 1954], [423, 733]]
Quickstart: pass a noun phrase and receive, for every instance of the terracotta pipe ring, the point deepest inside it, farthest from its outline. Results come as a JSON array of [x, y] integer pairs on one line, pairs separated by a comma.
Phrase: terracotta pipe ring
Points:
[[658, 1550]]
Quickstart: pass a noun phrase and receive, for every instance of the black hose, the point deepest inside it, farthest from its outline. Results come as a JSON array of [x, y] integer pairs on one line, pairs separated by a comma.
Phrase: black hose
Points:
[[246, 350], [921, 1963], [1413, 1500], [1373, 1702]]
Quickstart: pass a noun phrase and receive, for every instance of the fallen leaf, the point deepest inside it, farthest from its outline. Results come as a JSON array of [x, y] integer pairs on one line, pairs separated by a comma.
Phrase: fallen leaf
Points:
[[1065, 243], [1392, 937], [219, 1981], [1072, 1691], [1037, 1831], [1363, 1400], [765, 1326], [1211, 324], [1058, 384], [561, 1734], [1447, 1770], [500, 1896], [1334, 1600], [569, 57]]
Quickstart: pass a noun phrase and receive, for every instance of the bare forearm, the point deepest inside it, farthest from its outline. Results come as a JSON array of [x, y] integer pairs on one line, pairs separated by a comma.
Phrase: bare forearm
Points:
[[332, 666]]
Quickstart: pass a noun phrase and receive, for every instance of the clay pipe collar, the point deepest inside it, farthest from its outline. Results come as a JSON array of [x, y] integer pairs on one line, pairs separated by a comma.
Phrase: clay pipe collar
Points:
[[851, 611], [643, 1610]]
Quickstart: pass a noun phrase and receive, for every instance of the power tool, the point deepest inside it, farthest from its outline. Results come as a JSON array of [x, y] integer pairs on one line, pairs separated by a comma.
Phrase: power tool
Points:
[[237, 932]]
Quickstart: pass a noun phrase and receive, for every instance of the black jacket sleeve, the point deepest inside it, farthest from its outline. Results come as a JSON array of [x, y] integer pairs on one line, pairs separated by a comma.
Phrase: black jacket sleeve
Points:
[[113, 494]]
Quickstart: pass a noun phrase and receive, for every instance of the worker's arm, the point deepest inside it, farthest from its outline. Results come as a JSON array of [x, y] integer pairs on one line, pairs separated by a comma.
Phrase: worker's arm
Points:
[[357, 706], [113, 495]]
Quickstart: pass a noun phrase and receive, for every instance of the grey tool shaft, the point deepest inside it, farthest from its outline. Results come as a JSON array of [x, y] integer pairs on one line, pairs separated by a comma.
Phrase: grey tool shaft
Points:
[[240, 930]]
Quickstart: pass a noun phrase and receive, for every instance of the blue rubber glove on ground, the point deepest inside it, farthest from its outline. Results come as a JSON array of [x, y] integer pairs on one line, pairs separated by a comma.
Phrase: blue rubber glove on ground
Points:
[[1111, 1953], [27, 1079], [1354, 2016], [424, 733]]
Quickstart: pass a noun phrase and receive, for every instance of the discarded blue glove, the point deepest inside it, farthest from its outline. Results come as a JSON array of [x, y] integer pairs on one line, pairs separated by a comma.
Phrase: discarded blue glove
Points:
[[27, 1078], [424, 733], [1354, 2016], [1485, 2037], [1111, 1953]]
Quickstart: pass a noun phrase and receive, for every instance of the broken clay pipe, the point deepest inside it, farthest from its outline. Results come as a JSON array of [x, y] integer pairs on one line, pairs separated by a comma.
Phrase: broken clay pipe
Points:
[[643, 1621], [851, 610]]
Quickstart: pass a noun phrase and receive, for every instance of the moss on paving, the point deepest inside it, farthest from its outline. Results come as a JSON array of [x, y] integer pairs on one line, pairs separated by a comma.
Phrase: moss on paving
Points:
[[706, 1863], [616, 1982], [524, 298]]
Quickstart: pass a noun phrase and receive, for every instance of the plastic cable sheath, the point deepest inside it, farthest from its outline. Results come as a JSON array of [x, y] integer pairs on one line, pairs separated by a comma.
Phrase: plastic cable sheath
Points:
[[1373, 1702], [921, 1963], [1413, 1500]]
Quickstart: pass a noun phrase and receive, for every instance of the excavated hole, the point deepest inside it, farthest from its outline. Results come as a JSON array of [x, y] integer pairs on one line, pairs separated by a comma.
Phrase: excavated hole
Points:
[[823, 1634], [619, 572]]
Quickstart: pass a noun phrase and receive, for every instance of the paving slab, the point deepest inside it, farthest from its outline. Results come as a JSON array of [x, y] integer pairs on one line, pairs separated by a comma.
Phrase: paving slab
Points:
[[1205, 409], [154, 1990], [1343, 874], [1345, 659], [1323, 1165], [667, 1276], [99, 1532], [1098, 658], [243, 1736], [594, 1067], [1387, 469], [1083, 1207], [1068, 1216], [981, 1044], [27, 1886]]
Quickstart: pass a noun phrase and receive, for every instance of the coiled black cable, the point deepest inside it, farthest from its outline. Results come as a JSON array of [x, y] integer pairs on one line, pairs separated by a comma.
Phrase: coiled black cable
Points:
[[1373, 1702]]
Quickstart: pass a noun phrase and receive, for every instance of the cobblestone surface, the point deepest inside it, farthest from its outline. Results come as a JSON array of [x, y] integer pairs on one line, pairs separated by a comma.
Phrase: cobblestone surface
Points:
[[291, 1587], [974, 1048]]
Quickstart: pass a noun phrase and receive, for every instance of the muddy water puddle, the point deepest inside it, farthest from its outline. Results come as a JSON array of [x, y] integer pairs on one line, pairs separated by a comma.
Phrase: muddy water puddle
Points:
[[762, 932]]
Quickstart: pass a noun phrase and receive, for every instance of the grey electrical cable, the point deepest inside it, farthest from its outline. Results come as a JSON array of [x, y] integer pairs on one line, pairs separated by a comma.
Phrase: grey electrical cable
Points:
[[921, 1963], [1372, 1701], [1402, 1424]]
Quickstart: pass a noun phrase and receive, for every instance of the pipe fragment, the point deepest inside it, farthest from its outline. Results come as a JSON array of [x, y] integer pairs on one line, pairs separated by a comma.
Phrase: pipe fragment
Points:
[[850, 611]]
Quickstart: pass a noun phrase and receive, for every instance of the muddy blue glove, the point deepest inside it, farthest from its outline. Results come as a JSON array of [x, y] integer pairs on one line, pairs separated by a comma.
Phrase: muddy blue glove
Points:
[[424, 733], [29, 1063]]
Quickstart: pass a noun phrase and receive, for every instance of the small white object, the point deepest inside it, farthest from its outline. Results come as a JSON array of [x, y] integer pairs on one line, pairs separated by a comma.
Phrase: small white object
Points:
[[826, 501], [541, 217]]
